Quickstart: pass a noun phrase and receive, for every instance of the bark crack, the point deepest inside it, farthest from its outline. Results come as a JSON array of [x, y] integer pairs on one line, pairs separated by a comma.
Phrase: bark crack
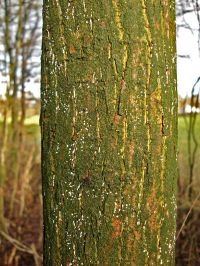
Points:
[[149, 48], [62, 34]]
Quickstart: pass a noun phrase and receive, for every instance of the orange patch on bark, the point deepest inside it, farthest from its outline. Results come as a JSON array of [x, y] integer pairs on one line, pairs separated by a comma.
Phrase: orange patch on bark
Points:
[[117, 227], [1, 191], [152, 202], [123, 84], [117, 119], [137, 235], [131, 152], [68, 262], [157, 25], [72, 49]]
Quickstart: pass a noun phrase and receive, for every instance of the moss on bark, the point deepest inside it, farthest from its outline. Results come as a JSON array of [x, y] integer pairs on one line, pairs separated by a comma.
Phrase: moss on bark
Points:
[[108, 124]]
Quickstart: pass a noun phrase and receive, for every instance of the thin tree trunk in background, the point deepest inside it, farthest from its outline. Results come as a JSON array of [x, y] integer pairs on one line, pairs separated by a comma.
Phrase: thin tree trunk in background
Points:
[[4, 139], [19, 36], [109, 132], [3, 172], [14, 84]]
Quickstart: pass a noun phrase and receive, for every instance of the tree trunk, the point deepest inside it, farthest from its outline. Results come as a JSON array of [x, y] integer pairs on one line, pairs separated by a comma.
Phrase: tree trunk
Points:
[[109, 132]]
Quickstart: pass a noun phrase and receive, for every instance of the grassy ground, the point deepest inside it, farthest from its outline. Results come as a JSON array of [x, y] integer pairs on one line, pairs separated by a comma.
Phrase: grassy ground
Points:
[[34, 120], [184, 158]]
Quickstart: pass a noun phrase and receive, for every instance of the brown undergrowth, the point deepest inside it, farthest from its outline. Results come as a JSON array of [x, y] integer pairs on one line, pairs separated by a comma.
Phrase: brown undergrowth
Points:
[[188, 231], [21, 241]]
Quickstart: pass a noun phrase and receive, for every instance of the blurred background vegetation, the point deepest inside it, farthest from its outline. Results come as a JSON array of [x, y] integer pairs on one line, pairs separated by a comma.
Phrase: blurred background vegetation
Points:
[[20, 179]]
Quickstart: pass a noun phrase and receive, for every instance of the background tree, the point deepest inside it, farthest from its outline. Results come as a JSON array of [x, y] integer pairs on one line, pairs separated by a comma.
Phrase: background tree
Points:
[[191, 102], [20, 38], [109, 132], [188, 32], [19, 43]]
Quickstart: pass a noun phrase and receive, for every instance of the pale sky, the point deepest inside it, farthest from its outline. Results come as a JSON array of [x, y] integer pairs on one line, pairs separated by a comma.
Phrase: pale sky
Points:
[[188, 69]]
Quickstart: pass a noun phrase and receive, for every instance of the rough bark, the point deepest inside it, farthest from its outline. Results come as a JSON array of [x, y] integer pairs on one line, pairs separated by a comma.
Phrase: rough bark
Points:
[[109, 129]]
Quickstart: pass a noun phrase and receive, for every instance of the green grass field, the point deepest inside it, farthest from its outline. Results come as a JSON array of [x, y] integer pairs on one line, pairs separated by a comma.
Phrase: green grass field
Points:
[[32, 120], [183, 147]]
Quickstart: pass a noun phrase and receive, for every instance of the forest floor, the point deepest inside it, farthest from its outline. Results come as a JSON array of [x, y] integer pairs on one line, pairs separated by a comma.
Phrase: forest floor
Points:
[[21, 245]]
